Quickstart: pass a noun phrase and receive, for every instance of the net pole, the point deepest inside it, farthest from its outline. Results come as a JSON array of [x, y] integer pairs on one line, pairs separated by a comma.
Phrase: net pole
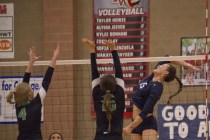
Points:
[[206, 89]]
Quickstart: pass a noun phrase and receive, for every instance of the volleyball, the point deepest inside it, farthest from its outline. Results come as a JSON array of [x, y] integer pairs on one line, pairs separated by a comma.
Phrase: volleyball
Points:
[[132, 3]]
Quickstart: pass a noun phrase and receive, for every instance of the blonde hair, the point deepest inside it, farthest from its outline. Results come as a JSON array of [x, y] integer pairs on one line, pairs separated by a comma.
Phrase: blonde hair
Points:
[[107, 105], [21, 94], [108, 85]]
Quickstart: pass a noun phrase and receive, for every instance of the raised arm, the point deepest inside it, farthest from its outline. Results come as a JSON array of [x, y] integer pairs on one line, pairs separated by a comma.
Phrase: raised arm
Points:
[[32, 59], [181, 63], [55, 56], [186, 64], [91, 45], [94, 69], [117, 64], [49, 72]]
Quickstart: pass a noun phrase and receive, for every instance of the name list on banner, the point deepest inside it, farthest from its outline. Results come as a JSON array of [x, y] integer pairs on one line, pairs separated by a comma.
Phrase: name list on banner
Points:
[[126, 23]]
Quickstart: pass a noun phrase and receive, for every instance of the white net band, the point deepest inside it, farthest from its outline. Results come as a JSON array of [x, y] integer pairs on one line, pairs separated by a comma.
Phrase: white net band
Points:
[[102, 61]]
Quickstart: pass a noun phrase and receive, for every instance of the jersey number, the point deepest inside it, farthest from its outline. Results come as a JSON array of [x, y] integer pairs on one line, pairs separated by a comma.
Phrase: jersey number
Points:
[[22, 113]]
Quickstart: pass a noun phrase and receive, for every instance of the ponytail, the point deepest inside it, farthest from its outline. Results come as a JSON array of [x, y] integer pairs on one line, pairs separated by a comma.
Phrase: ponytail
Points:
[[107, 106], [10, 97], [21, 94], [179, 90], [108, 85]]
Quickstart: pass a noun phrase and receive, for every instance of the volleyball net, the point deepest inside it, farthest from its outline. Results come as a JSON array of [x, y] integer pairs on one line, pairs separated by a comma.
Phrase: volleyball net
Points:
[[68, 106]]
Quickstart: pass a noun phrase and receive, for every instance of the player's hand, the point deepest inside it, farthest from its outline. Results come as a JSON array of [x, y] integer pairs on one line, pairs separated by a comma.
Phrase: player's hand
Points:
[[32, 54], [90, 44], [57, 51], [196, 68], [110, 44], [127, 130], [192, 67]]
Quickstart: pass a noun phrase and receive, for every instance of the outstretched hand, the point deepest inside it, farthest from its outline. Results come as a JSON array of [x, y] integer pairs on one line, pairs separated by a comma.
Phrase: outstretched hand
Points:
[[90, 44], [55, 56], [32, 58], [192, 67], [32, 54], [57, 51], [110, 44]]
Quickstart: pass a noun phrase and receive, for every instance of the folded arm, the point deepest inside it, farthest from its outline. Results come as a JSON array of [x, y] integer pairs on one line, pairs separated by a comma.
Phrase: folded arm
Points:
[[154, 96]]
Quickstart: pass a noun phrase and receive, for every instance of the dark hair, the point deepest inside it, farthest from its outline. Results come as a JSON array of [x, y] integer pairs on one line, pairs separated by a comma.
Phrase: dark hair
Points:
[[107, 82], [55, 133], [107, 85], [171, 73], [170, 77]]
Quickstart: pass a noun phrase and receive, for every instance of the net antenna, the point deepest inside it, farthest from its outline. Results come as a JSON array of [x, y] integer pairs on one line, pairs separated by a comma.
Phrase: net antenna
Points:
[[206, 60]]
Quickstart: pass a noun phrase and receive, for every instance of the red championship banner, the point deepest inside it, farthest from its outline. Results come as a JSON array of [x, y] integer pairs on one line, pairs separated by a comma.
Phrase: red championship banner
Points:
[[126, 23]]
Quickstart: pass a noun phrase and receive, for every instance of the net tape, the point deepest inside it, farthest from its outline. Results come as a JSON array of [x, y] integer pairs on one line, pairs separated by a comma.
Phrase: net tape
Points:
[[102, 61]]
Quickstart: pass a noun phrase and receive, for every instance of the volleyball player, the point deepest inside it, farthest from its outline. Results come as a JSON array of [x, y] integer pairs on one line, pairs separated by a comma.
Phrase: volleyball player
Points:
[[149, 91], [28, 107], [108, 96]]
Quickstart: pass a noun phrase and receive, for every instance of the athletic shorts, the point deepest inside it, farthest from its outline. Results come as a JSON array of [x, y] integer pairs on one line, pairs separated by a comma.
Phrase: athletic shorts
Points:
[[107, 137], [149, 122]]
